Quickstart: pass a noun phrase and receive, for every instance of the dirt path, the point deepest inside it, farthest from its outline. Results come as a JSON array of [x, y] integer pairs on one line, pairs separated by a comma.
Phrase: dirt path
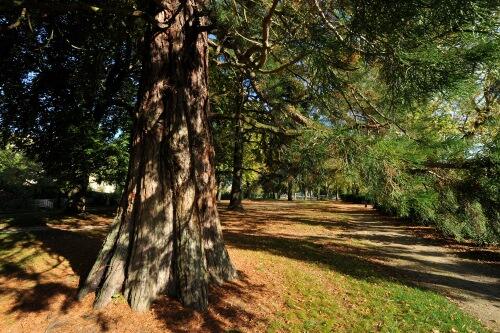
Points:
[[454, 271], [451, 269]]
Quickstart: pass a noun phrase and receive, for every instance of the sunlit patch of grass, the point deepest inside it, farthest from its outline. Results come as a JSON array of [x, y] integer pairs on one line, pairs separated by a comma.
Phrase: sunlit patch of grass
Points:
[[17, 250], [323, 300]]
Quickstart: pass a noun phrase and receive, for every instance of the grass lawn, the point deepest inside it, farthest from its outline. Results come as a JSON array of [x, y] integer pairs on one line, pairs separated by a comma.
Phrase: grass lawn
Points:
[[291, 280], [321, 300]]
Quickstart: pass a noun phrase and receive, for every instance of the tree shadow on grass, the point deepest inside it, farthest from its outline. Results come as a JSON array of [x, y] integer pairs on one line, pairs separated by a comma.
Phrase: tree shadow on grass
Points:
[[27, 219], [355, 262], [27, 267], [421, 260], [33, 267], [480, 254], [30, 291], [33, 292], [79, 248], [227, 309]]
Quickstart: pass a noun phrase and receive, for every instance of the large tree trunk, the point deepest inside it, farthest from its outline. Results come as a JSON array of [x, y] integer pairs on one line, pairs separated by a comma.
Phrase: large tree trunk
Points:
[[236, 192], [167, 236]]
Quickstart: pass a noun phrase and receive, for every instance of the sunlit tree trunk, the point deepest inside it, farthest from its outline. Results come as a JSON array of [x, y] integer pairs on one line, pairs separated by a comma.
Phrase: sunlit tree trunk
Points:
[[167, 236]]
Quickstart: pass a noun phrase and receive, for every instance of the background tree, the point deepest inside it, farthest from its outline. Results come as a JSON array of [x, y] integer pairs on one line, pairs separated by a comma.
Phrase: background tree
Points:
[[63, 101]]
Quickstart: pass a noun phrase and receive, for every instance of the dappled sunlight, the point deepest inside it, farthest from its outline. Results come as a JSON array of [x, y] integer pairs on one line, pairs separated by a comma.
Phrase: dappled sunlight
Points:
[[287, 254], [338, 233], [40, 276]]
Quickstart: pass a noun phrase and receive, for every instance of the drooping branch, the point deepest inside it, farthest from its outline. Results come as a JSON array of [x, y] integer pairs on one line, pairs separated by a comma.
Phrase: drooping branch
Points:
[[248, 39], [274, 129], [283, 66], [335, 30], [327, 21], [297, 117], [375, 109], [245, 58]]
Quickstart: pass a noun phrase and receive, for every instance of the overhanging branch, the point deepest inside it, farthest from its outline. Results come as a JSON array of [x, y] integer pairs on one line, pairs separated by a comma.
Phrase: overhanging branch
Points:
[[6, 27]]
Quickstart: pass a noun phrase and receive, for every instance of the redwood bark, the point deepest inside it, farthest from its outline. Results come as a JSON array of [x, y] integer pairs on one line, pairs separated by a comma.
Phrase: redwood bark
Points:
[[167, 236]]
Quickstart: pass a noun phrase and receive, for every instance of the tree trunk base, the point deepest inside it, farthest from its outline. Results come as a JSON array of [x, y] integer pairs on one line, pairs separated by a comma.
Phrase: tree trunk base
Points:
[[142, 280]]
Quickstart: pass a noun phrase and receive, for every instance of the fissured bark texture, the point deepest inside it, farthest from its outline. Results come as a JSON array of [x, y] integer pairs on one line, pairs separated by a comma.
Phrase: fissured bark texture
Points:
[[167, 236]]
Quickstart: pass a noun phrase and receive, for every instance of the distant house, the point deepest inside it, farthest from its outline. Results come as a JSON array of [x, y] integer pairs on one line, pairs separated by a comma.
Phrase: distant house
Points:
[[102, 187]]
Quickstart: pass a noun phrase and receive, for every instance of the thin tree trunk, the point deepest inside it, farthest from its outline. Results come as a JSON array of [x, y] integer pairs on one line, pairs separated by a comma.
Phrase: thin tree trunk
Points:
[[236, 192], [219, 191], [248, 190], [77, 198], [290, 190], [167, 236]]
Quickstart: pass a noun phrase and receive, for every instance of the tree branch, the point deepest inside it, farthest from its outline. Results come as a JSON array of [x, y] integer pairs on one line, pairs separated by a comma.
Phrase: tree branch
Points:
[[266, 27], [283, 66], [6, 27]]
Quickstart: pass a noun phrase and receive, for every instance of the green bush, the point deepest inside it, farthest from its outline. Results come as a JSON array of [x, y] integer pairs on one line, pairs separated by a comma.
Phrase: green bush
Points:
[[21, 180]]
